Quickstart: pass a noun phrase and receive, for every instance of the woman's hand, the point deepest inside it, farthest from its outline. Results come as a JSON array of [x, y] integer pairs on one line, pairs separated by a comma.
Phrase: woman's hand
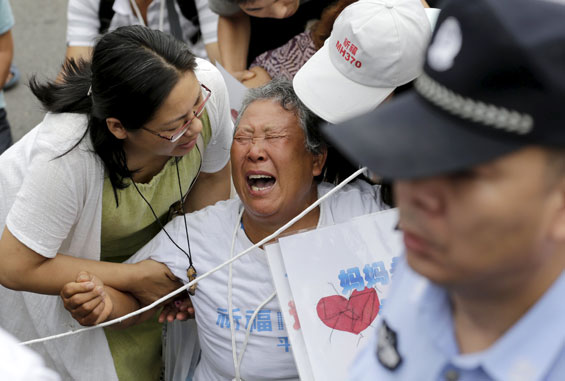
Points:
[[243, 75], [154, 280], [86, 299], [260, 77], [179, 309]]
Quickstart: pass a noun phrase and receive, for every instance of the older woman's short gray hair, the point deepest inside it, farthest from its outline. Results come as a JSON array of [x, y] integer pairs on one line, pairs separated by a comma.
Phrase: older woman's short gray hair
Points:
[[281, 91]]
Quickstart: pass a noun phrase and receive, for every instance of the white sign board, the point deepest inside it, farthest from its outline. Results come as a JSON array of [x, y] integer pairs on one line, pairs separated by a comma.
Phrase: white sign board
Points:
[[338, 277], [288, 310]]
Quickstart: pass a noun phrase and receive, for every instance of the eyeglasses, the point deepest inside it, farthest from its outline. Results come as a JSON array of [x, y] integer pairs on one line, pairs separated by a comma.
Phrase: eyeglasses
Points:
[[182, 129]]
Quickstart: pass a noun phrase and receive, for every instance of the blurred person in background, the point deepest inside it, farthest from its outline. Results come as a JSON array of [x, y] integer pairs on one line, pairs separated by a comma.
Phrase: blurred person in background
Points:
[[190, 21], [6, 55], [247, 28]]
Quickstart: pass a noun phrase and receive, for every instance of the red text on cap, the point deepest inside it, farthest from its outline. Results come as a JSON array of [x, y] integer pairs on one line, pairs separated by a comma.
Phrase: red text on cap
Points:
[[348, 51]]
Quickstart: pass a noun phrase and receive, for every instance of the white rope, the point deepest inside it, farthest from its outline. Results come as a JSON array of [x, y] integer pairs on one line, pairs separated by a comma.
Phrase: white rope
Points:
[[230, 292], [162, 15], [237, 359], [203, 276], [248, 333], [137, 12]]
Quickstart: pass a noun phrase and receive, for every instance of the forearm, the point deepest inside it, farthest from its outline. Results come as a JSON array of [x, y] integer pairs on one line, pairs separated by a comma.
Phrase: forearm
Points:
[[233, 40], [77, 52], [25, 270], [6, 56], [209, 189], [213, 52], [123, 304]]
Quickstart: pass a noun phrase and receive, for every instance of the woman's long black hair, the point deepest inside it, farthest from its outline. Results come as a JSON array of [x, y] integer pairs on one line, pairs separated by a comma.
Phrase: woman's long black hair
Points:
[[133, 70]]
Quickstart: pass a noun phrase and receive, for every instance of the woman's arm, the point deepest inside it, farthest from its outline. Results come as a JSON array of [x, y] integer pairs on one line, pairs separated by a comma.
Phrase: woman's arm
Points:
[[77, 52], [6, 55], [209, 29], [213, 52], [262, 77], [214, 181], [25, 270], [209, 189], [82, 28], [233, 40], [90, 302]]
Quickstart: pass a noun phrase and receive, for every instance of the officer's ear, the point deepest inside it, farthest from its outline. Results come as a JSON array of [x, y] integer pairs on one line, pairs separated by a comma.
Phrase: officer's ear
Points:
[[557, 227]]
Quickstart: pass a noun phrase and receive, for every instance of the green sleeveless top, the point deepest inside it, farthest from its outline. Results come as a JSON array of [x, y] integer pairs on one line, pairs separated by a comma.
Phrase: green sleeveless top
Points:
[[125, 229]]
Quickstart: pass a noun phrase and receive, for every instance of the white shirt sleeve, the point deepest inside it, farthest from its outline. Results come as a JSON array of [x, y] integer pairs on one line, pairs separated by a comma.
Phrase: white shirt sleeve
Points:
[[47, 205], [208, 22], [217, 152], [82, 22], [355, 199]]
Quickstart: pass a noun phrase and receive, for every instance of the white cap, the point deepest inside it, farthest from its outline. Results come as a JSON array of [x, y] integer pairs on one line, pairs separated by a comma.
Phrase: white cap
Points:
[[375, 46]]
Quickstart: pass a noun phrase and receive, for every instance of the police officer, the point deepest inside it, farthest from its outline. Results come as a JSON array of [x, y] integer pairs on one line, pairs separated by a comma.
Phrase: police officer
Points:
[[477, 154]]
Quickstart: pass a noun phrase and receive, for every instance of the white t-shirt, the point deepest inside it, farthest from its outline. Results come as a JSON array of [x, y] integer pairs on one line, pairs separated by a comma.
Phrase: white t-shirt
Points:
[[18, 363], [55, 206], [83, 22], [268, 354]]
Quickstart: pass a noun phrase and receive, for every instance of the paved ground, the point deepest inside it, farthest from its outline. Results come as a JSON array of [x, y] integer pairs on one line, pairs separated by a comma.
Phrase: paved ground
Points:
[[39, 39]]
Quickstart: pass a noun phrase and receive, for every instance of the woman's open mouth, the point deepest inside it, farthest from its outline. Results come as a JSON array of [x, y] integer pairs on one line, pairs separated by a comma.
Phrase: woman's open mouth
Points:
[[259, 183]]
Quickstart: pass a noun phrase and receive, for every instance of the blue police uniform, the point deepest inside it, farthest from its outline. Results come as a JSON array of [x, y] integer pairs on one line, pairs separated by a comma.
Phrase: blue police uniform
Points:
[[415, 339]]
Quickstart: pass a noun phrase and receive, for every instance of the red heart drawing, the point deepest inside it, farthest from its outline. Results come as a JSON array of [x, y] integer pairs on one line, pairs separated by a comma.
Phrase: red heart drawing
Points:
[[349, 315]]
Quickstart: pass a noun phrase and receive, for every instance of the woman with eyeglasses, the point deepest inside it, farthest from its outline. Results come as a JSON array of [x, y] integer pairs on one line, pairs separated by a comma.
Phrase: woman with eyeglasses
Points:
[[141, 131]]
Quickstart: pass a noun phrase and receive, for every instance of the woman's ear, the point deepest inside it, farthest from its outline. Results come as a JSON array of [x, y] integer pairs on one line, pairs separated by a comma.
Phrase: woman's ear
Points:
[[319, 161], [116, 128]]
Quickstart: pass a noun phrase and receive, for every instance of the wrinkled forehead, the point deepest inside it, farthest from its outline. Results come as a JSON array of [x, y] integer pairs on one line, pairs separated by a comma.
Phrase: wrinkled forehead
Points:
[[267, 116]]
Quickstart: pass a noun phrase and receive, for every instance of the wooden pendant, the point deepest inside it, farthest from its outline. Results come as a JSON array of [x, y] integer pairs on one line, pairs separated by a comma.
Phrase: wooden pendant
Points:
[[191, 274]]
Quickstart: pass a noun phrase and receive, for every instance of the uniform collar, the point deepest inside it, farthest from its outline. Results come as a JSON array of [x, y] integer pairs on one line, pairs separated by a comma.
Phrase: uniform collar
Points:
[[526, 351]]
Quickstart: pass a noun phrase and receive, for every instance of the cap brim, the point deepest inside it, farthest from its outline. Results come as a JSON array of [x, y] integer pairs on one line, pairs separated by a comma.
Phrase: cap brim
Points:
[[330, 94], [410, 138]]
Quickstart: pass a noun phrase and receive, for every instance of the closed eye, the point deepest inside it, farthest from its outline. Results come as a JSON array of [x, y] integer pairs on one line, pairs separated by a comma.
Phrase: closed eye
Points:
[[243, 139], [275, 138]]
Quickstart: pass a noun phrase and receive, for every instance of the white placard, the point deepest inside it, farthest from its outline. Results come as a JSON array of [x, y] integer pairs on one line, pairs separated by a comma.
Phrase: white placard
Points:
[[339, 277], [288, 310]]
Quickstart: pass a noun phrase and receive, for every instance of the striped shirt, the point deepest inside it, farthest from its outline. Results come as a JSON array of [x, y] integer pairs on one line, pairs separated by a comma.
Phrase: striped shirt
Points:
[[83, 22]]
